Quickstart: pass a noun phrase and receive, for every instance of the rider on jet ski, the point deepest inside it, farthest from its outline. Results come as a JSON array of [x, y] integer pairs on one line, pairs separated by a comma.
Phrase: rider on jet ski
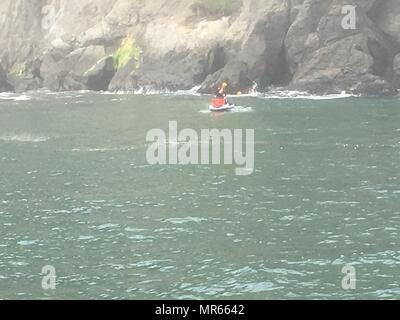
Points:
[[221, 92]]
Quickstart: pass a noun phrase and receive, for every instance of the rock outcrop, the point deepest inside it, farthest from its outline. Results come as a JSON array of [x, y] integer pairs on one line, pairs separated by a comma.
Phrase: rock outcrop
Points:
[[122, 45], [396, 67], [4, 85], [330, 58]]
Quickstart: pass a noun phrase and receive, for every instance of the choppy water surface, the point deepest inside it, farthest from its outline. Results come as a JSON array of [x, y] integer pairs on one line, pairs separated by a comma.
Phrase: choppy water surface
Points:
[[76, 193]]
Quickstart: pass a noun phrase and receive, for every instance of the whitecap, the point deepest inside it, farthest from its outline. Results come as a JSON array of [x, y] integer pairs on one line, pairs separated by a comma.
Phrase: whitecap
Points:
[[126, 148], [236, 109], [4, 95], [22, 98], [24, 138], [193, 92], [27, 242], [241, 109], [84, 238], [150, 90], [184, 220], [288, 94], [13, 97], [107, 226]]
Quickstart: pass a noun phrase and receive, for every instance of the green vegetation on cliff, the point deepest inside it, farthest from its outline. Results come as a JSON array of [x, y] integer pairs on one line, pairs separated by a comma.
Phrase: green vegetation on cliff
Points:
[[17, 70], [127, 51]]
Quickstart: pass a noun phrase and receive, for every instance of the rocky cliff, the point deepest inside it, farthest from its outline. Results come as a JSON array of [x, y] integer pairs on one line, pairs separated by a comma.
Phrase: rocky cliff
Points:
[[178, 44]]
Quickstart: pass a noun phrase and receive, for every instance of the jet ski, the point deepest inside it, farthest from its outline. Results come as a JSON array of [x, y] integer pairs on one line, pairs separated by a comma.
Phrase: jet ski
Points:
[[220, 105]]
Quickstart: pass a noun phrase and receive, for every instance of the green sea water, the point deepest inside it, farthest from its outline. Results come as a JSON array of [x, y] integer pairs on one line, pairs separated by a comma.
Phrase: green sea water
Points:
[[77, 193]]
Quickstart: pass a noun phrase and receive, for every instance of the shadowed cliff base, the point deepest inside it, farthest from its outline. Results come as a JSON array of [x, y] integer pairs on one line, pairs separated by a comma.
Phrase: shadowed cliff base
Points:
[[125, 45]]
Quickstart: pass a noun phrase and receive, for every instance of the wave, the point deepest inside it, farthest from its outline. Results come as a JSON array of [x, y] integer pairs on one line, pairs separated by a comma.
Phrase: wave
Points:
[[246, 95], [236, 109], [273, 94], [184, 220], [24, 138], [86, 150], [148, 90], [288, 94], [194, 91], [145, 91], [14, 97], [60, 93]]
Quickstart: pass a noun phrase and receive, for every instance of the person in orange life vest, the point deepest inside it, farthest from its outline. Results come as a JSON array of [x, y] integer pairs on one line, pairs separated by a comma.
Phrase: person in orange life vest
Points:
[[221, 92]]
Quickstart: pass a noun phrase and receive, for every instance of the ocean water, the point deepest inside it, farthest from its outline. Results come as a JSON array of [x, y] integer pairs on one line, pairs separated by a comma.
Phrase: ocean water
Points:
[[77, 193]]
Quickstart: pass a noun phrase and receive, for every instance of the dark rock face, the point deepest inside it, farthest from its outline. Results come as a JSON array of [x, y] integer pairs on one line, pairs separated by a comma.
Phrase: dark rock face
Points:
[[83, 68], [386, 16], [396, 68], [256, 58], [328, 58], [125, 45], [173, 72], [98, 78], [4, 85]]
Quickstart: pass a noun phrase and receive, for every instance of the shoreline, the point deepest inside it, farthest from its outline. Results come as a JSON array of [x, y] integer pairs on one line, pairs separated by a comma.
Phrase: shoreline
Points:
[[273, 94]]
